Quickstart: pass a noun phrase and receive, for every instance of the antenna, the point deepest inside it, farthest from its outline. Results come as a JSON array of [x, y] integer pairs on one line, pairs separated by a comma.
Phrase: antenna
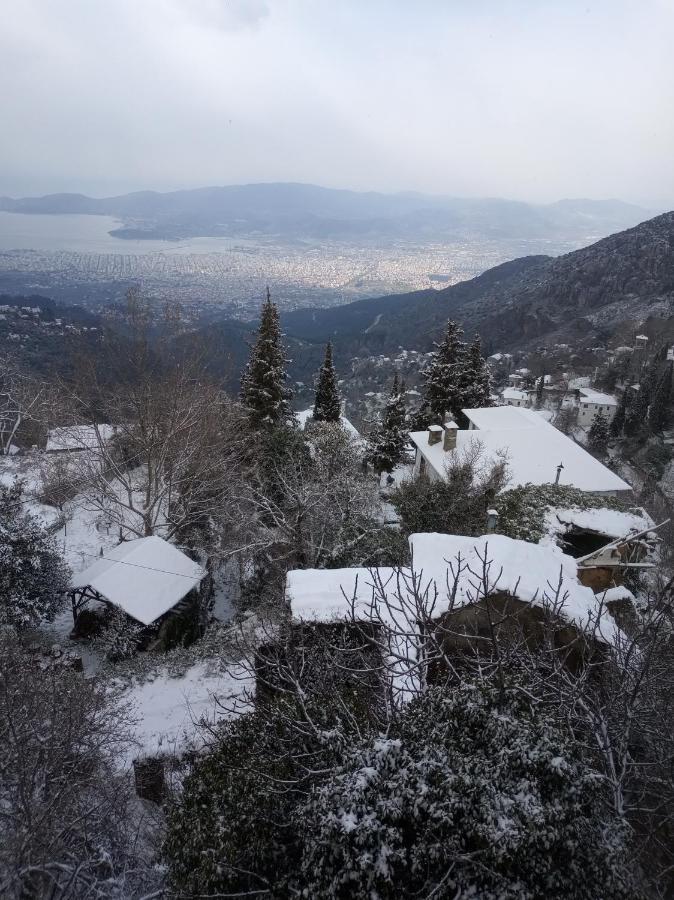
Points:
[[559, 472]]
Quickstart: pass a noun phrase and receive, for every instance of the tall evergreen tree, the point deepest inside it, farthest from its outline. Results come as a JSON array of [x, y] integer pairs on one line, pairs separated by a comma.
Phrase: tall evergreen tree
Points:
[[387, 443], [598, 435], [660, 412], [540, 388], [263, 386], [443, 380], [475, 379], [636, 416], [618, 421], [328, 404]]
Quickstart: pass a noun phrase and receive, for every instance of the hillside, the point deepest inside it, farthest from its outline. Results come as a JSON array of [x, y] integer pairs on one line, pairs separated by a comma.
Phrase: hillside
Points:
[[590, 292], [303, 211]]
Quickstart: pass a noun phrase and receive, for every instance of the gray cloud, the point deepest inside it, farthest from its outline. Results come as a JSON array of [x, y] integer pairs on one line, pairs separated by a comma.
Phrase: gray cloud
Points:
[[518, 98]]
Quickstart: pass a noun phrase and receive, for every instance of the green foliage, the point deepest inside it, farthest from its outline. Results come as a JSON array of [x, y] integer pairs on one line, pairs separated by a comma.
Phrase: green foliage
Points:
[[327, 405], [598, 435], [457, 504], [388, 440], [478, 792], [443, 380], [263, 386], [33, 576], [522, 509]]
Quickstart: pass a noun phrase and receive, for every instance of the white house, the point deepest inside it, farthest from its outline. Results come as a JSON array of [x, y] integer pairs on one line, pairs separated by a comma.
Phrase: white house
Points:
[[591, 403], [75, 438], [536, 452], [514, 397]]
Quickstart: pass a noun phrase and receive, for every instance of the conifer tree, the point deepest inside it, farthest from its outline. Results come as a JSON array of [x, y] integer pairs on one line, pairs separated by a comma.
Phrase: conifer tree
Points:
[[636, 416], [659, 412], [475, 379], [540, 387], [328, 404], [618, 421], [263, 386], [387, 443], [444, 380], [598, 435]]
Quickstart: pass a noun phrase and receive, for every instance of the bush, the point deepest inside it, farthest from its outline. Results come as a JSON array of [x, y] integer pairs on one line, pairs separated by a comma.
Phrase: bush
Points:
[[477, 794], [33, 576], [455, 505]]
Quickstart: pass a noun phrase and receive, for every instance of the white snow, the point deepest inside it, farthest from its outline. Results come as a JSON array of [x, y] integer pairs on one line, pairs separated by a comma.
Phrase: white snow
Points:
[[78, 437], [168, 710], [611, 522], [145, 577], [533, 454], [531, 572], [306, 414]]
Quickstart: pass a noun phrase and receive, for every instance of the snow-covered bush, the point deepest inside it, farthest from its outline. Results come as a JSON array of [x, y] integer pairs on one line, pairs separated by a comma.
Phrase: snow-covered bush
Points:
[[33, 576], [456, 505], [69, 828], [477, 793], [522, 509], [120, 638], [231, 830]]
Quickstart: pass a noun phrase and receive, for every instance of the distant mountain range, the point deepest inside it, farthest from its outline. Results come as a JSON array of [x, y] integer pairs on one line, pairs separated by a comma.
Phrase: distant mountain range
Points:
[[586, 295], [595, 295], [304, 211]]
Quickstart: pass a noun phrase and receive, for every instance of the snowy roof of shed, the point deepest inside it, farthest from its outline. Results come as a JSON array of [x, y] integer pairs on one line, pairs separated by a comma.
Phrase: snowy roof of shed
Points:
[[533, 455], [146, 577], [78, 437], [530, 572], [306, 414]]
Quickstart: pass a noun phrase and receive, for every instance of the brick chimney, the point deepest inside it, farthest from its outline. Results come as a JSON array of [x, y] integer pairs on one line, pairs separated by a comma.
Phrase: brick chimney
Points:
[[434, 434], [449, 442]]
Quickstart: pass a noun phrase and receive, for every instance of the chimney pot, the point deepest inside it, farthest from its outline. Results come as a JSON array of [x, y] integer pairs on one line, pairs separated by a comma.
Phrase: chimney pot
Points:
[[434, 434], [449, 442]]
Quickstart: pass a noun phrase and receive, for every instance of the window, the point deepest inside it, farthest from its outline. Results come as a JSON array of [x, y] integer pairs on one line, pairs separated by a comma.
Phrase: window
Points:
[[584, 405]]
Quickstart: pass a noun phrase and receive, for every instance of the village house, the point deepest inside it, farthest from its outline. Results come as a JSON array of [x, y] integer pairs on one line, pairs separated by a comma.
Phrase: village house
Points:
[[528, 587], [591, 403], [76, 438], [536, 452]]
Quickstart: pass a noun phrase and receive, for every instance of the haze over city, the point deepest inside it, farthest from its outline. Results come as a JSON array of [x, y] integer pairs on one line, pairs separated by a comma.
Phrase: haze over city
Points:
[[525, 100]]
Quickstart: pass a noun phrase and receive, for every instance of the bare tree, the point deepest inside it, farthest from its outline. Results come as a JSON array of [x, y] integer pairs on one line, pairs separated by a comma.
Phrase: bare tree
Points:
[[22, 402], [67, 824]]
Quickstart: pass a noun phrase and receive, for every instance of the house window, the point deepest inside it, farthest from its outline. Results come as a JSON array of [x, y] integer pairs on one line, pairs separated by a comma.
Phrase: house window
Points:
[[584, 405]]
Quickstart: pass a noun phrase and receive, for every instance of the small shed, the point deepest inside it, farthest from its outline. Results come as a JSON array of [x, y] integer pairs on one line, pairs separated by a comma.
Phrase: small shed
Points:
[[145, 578]]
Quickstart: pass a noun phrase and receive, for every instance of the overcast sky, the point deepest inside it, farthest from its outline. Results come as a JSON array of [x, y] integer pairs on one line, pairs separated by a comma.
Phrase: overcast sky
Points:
[[527, 99]]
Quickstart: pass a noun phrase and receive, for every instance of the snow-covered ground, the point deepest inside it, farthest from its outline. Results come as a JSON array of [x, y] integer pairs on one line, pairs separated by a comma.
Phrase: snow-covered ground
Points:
[[170, 711]]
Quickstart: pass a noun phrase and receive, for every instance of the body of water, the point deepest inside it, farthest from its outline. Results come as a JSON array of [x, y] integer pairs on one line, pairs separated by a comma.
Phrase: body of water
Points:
[[90, 234]]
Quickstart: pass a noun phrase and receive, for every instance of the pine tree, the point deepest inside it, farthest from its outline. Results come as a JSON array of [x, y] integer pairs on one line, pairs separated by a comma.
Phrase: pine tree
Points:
[[636, 416], [444, 380], [263, 386], [387, 443], [328, 404], [540, 387], [618, 421], [475, 379], [659, 412], [598, 435]]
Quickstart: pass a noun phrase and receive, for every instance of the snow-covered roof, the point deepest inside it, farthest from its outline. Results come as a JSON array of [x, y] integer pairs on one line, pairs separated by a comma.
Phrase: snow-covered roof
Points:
[[146, 577], [511, 393], [582, 381], [501, 417], [612, 522], [306, 414], [530, 572], [588, 395], [78, 437], [533, 455]]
